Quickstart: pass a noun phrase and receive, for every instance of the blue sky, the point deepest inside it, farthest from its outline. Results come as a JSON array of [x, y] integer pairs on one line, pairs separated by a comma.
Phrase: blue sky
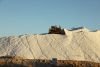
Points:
[[36, 16]]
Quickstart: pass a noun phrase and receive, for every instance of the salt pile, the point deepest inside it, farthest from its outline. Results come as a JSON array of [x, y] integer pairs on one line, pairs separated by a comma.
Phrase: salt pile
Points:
[[79, 44]]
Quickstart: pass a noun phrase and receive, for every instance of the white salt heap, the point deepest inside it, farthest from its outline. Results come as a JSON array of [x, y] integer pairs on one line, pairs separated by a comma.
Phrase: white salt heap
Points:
[[80, 44]]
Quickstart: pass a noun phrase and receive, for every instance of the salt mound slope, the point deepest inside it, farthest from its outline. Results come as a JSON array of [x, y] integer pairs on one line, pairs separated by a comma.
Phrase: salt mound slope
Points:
[[78, 44]]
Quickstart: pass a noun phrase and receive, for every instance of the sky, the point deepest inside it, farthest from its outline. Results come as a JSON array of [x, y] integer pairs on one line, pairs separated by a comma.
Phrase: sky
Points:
[[19, 17]]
